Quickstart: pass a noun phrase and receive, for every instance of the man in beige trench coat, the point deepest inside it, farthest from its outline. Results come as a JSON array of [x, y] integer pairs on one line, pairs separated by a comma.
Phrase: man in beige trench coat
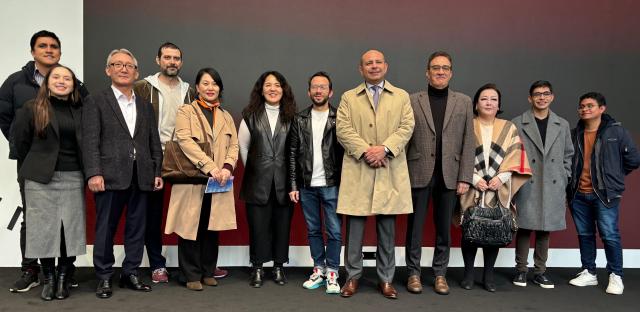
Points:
[[374, 123]]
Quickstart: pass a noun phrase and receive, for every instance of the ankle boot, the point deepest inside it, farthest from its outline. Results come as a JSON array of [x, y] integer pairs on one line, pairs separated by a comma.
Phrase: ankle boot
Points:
[[467, 280], [62, 291], [49, 284], [257, 277]]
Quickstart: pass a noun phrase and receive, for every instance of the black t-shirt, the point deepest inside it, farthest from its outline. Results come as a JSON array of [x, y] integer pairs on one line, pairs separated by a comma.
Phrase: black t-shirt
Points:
[[542, 127]]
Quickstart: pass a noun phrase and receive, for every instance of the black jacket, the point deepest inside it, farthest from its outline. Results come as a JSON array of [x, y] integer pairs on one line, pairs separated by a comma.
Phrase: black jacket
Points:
[[301, 151], [107, 145], [16, 90], [37, 155], [266, 165], [614, 156]]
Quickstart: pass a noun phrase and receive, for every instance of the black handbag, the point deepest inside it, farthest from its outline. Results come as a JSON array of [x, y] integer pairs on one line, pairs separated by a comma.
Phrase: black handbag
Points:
[[489, 226], [177, 168]]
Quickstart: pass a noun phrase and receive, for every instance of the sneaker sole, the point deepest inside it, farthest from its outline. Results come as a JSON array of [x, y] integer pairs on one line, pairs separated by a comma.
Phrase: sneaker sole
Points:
[[332, 292], [584, 285], [33, 284], [314, 286], [545, 286], [613, 293], [520, 284]]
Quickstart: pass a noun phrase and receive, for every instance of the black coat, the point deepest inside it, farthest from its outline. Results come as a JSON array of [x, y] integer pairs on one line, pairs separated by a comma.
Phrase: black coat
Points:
[[301, 151], [37, 155], [108, 148], [16, 90], [266, 161], [614, 156]]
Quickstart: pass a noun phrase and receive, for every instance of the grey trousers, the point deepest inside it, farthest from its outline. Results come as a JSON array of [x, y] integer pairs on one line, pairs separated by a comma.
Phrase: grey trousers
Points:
[[385, 254]]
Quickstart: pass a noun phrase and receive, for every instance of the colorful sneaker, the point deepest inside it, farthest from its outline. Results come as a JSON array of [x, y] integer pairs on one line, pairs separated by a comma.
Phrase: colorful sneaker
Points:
[[332, 283], [220, 273], [615, 287], [543, 281], [28, 280], [584, 278], [315, 280], [160, 276]]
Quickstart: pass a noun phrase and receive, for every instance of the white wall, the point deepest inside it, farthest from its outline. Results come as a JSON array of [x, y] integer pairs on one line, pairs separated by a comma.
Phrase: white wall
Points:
[[19, 19]]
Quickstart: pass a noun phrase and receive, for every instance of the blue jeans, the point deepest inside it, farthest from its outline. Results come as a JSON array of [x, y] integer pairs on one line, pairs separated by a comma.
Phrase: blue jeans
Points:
[[589, 212], [313, 200]]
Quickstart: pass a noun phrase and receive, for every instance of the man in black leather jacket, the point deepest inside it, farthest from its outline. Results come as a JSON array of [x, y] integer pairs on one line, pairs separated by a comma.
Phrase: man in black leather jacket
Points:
[[315, 161]]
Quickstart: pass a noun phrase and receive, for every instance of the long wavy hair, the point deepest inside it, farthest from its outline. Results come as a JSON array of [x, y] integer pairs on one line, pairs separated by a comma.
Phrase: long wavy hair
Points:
[[42, 104], [256, 101]]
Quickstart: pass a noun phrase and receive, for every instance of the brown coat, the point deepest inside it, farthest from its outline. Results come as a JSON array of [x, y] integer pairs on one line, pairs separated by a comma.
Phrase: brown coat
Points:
[[186, 199], [457, 141], [365, 191]]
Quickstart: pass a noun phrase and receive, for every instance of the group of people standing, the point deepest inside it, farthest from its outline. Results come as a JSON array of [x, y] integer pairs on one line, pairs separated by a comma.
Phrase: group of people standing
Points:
[[362, 158]]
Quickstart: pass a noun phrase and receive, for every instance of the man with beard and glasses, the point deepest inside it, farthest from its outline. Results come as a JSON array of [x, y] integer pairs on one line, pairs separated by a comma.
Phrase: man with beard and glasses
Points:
[[166, 92], [315, 161]]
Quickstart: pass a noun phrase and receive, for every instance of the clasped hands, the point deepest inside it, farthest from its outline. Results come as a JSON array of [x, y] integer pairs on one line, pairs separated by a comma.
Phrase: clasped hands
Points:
[[220, 175], [493, 184], [376, 156]]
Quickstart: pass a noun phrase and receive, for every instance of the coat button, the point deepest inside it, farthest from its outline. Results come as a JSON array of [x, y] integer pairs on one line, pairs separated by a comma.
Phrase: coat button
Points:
[[551, 159], [370, 125], [554, 181], [531, 181], [433, 155], [370, 144], [533, 160]]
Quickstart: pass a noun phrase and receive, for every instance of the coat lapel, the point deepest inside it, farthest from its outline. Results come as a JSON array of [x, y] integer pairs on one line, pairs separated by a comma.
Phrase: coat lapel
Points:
[[451, 104], [219, 124], [54, 122], [113, 102], [530, 128], [553, 131], [76, 114], [264, 121], [425, 106], [201, 118], [139, 115]]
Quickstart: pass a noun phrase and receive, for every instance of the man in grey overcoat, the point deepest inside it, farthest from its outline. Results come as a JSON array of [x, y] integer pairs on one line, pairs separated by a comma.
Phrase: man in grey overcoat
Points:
[[541, 203]]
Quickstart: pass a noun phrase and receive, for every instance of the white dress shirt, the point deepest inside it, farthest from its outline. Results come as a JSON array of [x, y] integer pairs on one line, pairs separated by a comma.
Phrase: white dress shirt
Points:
[[128, 108]]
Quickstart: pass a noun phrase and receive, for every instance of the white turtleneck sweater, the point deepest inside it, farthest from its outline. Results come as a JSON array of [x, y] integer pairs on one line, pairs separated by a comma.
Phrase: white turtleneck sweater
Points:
[[244, 136]]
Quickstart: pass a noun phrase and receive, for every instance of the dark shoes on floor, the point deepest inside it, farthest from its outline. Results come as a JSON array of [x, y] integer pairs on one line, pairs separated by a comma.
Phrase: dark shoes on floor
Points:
[[278, 275], [257, 277]]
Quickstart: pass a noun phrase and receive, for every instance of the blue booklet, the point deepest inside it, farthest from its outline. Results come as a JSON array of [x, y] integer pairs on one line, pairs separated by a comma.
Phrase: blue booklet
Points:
[[214, 187]]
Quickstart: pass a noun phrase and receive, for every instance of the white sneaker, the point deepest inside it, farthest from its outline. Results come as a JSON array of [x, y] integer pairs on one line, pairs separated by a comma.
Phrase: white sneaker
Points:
[[584, 278], [616, 287], [332, 283], [315, 280]]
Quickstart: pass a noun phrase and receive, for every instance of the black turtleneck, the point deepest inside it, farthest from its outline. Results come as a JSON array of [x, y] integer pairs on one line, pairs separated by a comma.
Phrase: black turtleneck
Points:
[[68, 154], [438, 103]]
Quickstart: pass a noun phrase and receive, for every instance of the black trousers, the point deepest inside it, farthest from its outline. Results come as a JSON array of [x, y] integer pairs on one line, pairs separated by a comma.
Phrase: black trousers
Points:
[[109, 208], [153, 230], [198, 258], [269, 228], [26, 263], [444, 203]]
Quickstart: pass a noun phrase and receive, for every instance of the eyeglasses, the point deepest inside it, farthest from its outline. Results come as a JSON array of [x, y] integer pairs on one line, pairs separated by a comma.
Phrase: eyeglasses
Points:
[[118, 66], [541, 94], [586, 107], [319, 87], [439, 67]]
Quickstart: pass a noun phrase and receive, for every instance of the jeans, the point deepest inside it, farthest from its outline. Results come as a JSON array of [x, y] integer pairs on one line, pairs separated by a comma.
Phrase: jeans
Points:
[[313, 200], [589, 212]]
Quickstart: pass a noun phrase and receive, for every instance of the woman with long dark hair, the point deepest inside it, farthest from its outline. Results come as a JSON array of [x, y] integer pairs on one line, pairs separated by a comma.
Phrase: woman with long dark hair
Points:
[[47, 136], [262, 136], [501, 168], [196, 216]]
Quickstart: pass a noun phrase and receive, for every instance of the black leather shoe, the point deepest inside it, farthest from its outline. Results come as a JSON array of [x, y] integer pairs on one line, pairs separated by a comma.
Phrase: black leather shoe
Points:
[[256, 277], [278, 276], [103, 291], [62, 291], [467, 283], [490, 286], [133, 282], [49, 287]]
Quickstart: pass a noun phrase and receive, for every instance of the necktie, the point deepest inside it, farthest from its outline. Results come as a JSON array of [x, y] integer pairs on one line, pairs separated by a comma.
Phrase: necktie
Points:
[[376, 96]]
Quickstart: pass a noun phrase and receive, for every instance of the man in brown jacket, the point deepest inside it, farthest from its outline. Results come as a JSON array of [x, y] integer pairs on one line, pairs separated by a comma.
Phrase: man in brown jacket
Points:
[[440, 158], [374, 123]]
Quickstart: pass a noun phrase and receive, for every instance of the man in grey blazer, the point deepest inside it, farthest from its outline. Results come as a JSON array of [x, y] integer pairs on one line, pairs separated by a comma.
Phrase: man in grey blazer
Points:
[[440, 158], [122, 158]]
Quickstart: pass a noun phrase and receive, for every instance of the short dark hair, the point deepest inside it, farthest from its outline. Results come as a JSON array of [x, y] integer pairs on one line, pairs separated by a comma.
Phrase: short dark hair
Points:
[[488, 86], [214, 74], [597, 96], [439, 53], [170, 46], [321, 74], [540, 84], [41, 34]]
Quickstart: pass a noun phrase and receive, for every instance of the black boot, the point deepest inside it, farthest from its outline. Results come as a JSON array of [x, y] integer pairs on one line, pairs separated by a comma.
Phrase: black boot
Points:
[[62, 291], [257, 277], [278, 275], [49, 284]]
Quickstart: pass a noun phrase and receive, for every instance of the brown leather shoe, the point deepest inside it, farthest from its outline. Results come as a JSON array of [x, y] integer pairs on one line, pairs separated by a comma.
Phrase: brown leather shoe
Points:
[[210, 281], [414, 285], [440, 285], [388, 291], [197, 286], [350, 288]]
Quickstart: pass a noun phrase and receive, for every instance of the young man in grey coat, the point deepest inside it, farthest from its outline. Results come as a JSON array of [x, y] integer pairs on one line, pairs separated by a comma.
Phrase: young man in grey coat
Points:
[[541, 203]]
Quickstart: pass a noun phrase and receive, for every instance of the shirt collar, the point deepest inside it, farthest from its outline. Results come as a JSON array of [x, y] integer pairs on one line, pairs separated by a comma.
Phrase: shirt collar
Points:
[[380, 85], [119, 94]]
